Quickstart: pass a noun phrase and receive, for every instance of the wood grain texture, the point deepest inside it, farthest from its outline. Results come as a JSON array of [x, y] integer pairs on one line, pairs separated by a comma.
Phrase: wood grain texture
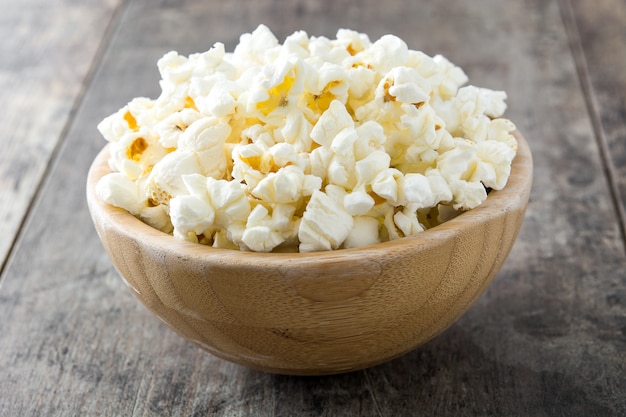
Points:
[[598, 33], [316, 313], [47, 48], [546, 339]]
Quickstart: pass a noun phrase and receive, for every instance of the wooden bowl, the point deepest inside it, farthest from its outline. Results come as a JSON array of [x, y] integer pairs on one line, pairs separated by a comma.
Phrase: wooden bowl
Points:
[[316, 313]]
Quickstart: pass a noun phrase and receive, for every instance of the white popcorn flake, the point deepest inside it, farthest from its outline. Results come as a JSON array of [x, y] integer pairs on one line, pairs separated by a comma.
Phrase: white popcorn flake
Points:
[[406, 221], [206, 133], [363, 233], [157, 217], [325, 224], [333, 121], [416, 191], [169, 129], [495, 164], [423, 123], [343, 142], [206, 138], [360, 79], [120, 191], [340, 171], [174, 68], [406, 85], [212, 62], [191, 215], [297, 131], [320, 160], [265, 231], [371, 138], [313, 144], [385, 184], [166, 179], [259, 236], [438, 186], [358, 203], [230, 202], [467, 195], [253, 47], [353, 41], [297, 44], [500, 130], [117, 125], [219, 102], [323, 49], [452, 77], [287, 154], [287, 185], [369, 167], [386, 53]]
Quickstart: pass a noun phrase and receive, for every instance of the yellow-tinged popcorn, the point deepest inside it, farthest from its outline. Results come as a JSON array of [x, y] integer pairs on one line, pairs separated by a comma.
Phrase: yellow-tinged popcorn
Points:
[[314, 144]]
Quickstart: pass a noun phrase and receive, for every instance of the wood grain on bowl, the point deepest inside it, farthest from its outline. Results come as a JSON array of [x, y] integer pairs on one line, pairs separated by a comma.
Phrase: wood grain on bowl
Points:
[[323, 312]]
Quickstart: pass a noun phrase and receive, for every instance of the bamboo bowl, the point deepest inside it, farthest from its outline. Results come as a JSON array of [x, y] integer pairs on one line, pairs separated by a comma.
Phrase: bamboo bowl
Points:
[[316, 313]]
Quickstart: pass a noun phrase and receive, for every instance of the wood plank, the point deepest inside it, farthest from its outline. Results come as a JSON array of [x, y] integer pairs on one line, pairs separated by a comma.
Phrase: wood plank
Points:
[[47, 49], [599, 33], [546, 339]]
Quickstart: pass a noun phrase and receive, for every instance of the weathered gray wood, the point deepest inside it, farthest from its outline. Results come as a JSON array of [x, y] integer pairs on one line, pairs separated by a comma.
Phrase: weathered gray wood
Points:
[[599, 39], [47, 49], [547, 339]]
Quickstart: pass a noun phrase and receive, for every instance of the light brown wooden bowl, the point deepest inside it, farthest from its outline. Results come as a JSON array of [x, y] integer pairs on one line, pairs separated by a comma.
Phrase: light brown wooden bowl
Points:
[[316, 313]]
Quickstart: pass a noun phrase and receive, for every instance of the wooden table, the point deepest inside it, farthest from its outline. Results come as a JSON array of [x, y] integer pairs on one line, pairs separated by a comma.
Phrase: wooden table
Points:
[[547, 339]]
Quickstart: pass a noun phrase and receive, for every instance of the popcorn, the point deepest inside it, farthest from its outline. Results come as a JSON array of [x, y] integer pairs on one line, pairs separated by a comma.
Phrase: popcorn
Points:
[[264, 232], [325, 224], [208, 207], [364, 232], [259, 235], [416, 191], [169, 129], [288, 185], [166, 178], [335, 119], [312, 145], [358, 203], [407, 223], [120, 191]]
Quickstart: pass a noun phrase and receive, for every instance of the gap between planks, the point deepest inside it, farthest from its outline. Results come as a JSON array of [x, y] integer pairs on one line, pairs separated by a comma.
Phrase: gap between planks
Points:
[[54, 155], [580, 60]]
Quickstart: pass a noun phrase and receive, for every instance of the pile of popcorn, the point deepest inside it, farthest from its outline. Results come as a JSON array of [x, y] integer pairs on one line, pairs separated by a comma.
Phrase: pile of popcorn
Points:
[[310, 145]]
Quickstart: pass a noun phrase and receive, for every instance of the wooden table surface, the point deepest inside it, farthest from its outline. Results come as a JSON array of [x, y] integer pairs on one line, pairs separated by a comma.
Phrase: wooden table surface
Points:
[[548, 338]]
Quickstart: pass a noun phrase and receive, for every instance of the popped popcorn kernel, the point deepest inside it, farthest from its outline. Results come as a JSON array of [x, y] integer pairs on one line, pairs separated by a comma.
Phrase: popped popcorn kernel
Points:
[[190, 104], [319, 103], [387, 95], [132, 122], [134, 151], [277, 96], [311, 145]]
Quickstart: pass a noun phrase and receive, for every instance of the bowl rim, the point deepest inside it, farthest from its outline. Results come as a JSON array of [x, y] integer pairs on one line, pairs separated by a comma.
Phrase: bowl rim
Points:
[[513, 196]]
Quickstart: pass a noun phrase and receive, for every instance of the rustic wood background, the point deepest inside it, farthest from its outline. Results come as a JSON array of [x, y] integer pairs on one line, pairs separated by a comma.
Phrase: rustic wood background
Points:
[[547, 339]]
